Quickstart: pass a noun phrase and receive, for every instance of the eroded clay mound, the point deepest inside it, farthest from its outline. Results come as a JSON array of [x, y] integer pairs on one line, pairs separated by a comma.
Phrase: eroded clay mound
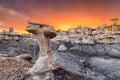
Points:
[[17, 69], [56, 74], [61, 74], [12, 68]]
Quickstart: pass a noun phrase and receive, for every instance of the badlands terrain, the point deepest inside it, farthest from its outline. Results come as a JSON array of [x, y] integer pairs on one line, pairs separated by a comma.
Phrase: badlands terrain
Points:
[[79, 54]]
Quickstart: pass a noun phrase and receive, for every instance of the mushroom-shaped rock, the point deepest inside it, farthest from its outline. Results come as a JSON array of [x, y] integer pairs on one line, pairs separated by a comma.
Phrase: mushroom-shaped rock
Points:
[[36, 28], [43, 33]]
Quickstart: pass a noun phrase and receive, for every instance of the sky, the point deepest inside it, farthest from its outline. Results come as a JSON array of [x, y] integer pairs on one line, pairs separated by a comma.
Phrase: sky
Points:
[[61, 14]]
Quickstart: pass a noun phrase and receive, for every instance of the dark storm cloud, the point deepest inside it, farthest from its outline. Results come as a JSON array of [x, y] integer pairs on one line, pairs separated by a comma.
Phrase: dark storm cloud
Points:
[[48, 7], [43, 6], [57, 5]]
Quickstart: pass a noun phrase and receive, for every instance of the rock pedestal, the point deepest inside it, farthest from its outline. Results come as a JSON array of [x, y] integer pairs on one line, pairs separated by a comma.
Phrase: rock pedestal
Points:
[[43, 33]]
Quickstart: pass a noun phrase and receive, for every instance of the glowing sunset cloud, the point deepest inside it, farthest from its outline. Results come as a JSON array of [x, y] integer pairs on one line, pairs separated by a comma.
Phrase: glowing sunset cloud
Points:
[[62, 14]]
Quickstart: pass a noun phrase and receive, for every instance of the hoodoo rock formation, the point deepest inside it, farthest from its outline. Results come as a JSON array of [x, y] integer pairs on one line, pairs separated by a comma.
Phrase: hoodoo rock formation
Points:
[[43, 33]]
